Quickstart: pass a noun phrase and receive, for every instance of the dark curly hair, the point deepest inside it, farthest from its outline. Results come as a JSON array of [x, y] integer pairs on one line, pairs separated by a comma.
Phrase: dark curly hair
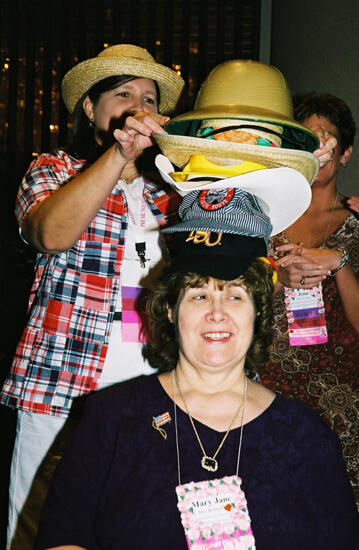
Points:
[[162, 350], [331, 107]]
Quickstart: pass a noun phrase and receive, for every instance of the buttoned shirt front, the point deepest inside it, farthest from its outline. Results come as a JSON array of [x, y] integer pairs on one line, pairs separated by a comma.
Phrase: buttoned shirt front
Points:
[[73, 297]]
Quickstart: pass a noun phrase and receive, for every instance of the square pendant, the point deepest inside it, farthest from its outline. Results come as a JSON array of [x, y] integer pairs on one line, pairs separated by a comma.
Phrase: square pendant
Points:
[[209, 463]]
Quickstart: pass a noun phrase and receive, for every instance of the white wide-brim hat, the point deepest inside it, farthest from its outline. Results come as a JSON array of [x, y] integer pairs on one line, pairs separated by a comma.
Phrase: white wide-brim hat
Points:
[[122, 59], [283, 193]]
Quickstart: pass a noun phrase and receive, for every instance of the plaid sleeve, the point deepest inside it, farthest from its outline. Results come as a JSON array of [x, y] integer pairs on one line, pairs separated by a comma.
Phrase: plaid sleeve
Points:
[[47, 173], [172, 209]]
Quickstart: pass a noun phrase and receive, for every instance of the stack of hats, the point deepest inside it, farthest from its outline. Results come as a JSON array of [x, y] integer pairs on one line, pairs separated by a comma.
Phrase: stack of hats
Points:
[[220, 234], [247, 106], [243, 165]]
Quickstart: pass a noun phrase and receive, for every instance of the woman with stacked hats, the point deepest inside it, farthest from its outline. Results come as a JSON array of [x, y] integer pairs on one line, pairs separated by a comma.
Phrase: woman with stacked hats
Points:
[[93, 217], [201, 456], [243, 122]]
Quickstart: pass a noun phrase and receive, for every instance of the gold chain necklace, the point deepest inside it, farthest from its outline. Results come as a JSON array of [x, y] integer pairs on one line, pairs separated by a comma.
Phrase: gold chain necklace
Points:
[[329, 222], [209, 462], [331, 217]]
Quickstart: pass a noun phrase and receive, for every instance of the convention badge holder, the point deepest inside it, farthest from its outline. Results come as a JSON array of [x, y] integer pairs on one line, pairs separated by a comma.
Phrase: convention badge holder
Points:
[[214, 515], [306, 316]]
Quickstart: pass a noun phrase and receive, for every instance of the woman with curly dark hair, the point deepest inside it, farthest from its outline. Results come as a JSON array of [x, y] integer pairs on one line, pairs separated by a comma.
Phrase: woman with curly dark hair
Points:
[[251, 469], [162, 350]]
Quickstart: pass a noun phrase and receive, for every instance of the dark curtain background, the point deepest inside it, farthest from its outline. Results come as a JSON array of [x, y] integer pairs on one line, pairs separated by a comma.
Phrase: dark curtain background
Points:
[[40, 41]]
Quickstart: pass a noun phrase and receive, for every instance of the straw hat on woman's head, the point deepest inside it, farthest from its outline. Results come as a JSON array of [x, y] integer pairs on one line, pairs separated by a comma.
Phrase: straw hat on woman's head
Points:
[[121, 59]]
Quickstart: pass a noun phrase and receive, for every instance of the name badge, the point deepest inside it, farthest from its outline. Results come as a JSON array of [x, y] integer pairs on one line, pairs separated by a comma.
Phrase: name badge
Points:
[[306, 316], [214, 515]]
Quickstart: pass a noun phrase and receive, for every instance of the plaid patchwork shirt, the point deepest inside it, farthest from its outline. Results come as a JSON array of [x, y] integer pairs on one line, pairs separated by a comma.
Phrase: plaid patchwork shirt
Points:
[[72, 302]]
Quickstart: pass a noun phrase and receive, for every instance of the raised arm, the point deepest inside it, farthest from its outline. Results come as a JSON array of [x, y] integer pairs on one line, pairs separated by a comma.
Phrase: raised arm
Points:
[[55, 223]]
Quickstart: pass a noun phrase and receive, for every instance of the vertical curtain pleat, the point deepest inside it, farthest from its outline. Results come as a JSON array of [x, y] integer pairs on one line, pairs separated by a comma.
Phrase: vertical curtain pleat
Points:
[[47, 59], [12, 99], [64, 59], [30, 86]]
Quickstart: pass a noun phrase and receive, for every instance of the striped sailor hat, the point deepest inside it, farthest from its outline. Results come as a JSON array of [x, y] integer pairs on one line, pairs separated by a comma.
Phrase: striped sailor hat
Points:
[[226, 210], [222, 231]]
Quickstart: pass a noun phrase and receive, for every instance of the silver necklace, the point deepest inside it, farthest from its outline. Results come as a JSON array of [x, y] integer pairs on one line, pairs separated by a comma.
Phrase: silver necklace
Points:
[[207, 462]]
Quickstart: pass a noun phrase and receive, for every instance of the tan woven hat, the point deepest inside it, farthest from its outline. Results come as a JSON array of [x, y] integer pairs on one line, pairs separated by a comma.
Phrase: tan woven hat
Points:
[[248, 94], [121, 59]]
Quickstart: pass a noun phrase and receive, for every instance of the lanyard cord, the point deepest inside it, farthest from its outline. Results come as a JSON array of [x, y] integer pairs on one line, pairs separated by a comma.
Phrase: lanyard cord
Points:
[[176, 427]]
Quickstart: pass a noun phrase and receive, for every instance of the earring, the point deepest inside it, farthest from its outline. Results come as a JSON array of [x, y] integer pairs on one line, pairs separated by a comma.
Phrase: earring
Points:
[[91, 123], [344, 165]]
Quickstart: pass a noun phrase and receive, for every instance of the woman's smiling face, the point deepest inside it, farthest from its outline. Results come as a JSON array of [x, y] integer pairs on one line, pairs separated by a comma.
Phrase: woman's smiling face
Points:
[[215, 325], [132, 96]]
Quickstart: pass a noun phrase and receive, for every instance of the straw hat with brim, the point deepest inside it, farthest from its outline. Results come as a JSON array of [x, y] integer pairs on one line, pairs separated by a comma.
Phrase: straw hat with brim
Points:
[[244, 92], [189, 123], [283, 193], [122, 59], [179, 149]]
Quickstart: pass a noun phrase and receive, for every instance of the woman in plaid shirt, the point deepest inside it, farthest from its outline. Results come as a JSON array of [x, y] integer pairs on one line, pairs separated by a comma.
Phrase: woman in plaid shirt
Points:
[[93, 217]]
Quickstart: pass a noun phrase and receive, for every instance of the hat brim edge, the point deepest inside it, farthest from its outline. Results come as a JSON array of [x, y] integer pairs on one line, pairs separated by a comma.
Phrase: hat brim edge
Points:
[[169, 83], [284, 191], [180, 148]]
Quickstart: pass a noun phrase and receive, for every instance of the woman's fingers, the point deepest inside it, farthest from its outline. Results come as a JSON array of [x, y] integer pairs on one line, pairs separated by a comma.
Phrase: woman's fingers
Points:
[[292, 249], [353, 203], [299, 261], [145, 123], [300, 279], [122, 136], [308, 282], [304, 274], [302, 267], [326, 151], [135, 134]]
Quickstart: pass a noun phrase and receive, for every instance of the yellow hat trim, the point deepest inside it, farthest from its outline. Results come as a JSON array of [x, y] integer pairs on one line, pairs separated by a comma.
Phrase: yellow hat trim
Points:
[[198, 164]]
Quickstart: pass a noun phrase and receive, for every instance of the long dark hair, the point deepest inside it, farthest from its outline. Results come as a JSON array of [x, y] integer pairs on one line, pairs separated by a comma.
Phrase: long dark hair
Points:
[[83, 144]]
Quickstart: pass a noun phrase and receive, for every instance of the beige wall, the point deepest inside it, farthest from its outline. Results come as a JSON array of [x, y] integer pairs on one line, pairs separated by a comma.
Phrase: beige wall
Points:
[[315, 43]]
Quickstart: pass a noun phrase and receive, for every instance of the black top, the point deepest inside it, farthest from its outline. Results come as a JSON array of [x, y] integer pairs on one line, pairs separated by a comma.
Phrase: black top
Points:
[[115, 487]]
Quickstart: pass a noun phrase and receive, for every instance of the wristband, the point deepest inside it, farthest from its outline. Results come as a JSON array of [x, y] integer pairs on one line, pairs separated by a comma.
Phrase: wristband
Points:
[[344, 260]]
